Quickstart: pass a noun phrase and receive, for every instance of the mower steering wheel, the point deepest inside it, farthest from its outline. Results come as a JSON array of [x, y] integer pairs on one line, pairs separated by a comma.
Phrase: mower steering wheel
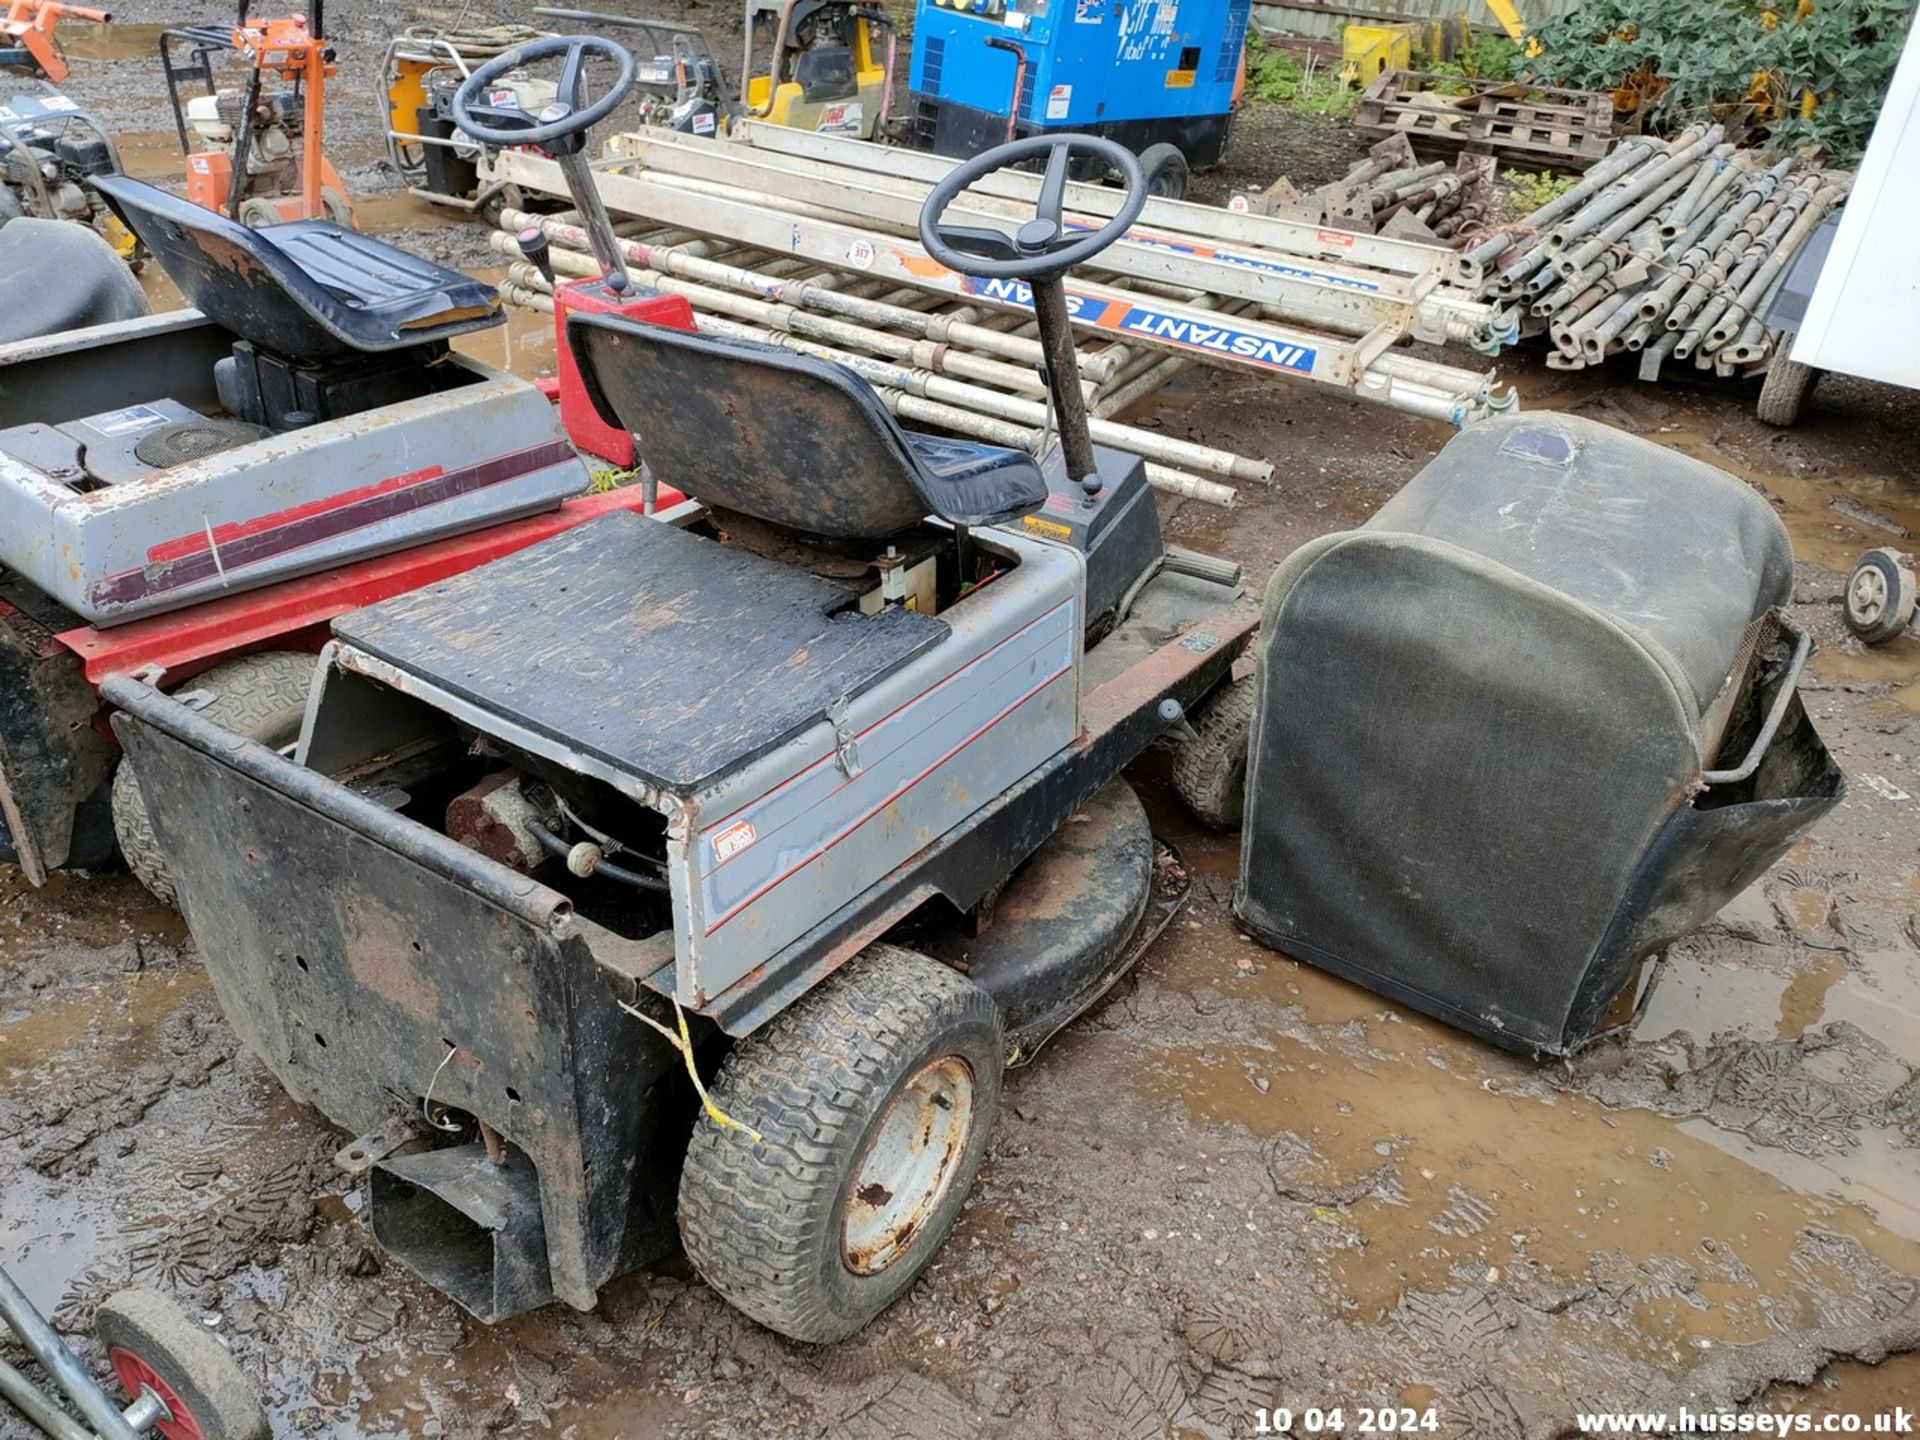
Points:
[[1042, 247], [568, 118]]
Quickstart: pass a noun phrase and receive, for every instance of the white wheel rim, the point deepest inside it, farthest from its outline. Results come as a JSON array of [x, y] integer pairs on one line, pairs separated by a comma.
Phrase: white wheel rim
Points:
[[1867, 595], [908, 1166]]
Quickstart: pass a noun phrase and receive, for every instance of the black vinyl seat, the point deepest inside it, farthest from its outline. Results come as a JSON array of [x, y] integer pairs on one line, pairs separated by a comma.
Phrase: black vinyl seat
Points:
[[309, 290], [791, 439]]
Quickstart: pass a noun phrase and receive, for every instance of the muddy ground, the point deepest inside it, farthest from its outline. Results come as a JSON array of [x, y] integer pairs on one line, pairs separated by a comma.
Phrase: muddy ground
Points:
[[1242, 1184]]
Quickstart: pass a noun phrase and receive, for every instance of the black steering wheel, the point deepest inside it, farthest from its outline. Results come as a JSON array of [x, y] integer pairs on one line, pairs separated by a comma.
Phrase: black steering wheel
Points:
[[1043, 246], [562, 126]]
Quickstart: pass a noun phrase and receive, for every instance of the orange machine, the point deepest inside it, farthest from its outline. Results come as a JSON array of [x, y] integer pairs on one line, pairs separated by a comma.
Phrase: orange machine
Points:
[[256, 154], [29, 26]]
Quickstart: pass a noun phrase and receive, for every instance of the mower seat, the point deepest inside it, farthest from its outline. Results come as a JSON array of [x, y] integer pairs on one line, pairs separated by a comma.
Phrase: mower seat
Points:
[[308, 290], [793, 440]]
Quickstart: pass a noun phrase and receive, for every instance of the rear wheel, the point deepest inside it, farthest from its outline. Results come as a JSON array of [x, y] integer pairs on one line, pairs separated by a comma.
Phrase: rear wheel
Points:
[[263, 697], [1880, 595], [153, 1346], [873, 1097], [1210, 769], [1166, 171]]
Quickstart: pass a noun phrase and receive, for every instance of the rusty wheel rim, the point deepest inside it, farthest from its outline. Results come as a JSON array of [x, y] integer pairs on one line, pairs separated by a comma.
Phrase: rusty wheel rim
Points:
[[914, 1152]]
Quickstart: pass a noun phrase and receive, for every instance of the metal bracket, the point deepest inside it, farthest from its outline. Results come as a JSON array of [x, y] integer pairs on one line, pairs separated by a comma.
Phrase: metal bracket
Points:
[[357, 1157], [845, 748]]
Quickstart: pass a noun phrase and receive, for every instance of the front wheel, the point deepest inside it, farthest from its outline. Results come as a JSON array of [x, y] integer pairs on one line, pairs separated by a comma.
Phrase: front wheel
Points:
[[1210, 766], [872, 1098]]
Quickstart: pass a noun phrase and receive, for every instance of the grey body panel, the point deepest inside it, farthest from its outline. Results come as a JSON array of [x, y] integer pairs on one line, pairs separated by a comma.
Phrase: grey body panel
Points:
[[780, 837], [281, 507]]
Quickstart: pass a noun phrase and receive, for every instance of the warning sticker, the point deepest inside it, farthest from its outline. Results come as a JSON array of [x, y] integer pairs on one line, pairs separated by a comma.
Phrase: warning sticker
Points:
[[732, 840], [1048, 527], [125, 422], [1059, 101], [841, 119]]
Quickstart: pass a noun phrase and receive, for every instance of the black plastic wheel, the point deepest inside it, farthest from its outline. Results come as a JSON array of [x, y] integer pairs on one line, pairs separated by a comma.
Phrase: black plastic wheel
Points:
[[1167, 171], [1210, 770], [1879, 599], [152, 1345], [873, 1097], [263, 697]]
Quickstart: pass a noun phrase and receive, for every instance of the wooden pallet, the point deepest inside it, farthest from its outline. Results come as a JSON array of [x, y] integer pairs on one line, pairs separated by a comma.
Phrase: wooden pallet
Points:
[[1521, 123]]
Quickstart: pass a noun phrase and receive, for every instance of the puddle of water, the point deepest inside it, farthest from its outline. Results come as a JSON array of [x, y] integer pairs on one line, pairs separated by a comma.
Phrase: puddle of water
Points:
[[38, 1031], [524, 345], [1830, 519], [45, 1239], [1803, 1004], [76, 907], [1495, 1175], [152, 155], [111, 42]]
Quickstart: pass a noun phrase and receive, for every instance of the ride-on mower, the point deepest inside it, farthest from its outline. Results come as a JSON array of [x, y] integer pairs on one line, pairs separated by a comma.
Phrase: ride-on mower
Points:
[[707, 878], [561, 833], [193, 496]]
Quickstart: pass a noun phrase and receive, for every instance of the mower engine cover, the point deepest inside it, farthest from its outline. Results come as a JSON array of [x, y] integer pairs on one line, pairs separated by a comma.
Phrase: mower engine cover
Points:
[[1481, 776]]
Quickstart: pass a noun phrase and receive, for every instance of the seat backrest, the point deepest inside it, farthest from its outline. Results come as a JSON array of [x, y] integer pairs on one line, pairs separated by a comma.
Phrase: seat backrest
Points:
[[794, 440], [311, 289]]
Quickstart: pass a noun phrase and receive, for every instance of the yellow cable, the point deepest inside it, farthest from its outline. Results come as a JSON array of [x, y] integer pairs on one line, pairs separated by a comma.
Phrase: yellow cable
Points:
[[683, 1042]]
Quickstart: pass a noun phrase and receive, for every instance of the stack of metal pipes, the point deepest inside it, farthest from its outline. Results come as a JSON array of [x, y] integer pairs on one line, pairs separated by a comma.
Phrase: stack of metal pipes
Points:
[[1669, 249], [935, 364]]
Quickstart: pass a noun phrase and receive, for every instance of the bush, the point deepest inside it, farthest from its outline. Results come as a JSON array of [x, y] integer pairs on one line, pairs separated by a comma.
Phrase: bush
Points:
[[1816, 72], [1275, 76]]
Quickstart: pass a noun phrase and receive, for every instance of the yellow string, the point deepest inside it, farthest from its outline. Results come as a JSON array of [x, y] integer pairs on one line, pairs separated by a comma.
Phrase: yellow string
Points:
[[683, 1042]]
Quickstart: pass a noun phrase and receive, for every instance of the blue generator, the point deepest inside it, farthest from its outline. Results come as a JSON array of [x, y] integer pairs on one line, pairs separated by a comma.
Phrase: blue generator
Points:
[[1158, 76]]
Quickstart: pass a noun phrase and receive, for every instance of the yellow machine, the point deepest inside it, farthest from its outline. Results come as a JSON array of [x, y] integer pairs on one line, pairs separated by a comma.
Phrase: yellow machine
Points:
[[830, 68], [1515, 24]]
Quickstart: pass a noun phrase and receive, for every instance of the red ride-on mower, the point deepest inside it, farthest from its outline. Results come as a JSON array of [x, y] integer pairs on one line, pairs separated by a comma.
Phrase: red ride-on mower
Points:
[[191, 497]]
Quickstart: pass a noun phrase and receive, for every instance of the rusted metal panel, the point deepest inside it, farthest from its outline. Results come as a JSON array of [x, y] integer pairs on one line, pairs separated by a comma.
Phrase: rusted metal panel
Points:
[[403, 972]]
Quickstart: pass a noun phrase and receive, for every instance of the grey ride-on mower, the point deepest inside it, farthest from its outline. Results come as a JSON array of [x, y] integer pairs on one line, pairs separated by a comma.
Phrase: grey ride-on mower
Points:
[[806, 815]]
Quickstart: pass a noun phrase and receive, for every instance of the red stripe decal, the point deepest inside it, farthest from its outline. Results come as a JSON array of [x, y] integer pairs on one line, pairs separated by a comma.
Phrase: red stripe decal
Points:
[[240, 529], [802, 864]]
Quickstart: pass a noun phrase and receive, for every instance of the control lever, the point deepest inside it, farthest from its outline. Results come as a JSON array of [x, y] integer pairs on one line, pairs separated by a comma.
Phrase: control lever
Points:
[[1040, 253], [560, 129], [535, 245]]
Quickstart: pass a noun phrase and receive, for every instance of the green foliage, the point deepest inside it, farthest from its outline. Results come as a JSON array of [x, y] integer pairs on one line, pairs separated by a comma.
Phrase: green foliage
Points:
[[1531, 189], [1710, 52], [1486, 57], [1275, 76]]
